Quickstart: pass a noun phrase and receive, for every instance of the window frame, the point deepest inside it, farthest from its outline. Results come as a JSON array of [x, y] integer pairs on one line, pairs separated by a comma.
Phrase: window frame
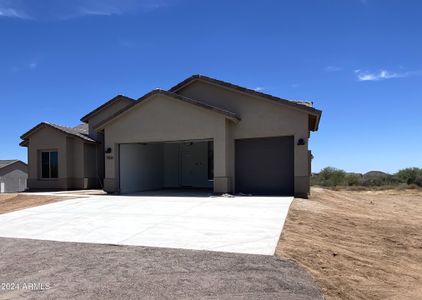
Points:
[[50, 169]]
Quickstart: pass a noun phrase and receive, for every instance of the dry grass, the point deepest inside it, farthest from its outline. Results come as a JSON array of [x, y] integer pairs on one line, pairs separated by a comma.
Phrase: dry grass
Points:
[[358, 244], [12, 202]]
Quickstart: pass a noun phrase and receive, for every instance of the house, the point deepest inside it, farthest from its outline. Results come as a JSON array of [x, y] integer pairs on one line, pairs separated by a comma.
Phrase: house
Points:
[[13, 176], [201, 133]]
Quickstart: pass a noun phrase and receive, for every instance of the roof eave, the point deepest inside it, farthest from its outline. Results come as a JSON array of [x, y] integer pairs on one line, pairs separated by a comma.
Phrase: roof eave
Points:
[[231, 116], [27, 134], [24, 143], [97, 110], [188, 81]]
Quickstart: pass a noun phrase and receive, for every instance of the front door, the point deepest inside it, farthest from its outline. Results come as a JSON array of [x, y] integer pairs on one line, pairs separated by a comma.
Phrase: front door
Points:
[[194, 164]]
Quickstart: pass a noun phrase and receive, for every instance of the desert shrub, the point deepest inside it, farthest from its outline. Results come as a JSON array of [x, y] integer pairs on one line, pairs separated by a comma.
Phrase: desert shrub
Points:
[[418, 180], [379, 180], [352, 179], [410, 176], [330, 176], [333, 177]]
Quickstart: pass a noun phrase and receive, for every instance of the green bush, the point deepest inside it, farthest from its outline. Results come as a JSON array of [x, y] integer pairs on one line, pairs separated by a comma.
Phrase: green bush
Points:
[[332, 177], [379, 180], [410, 176], [353, 179]]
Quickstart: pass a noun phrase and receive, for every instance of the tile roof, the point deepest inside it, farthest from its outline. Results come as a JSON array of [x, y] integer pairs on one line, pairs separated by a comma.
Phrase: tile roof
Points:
[[80, 131], [301, 104], [228, 114], [4, 163], [108, 103]]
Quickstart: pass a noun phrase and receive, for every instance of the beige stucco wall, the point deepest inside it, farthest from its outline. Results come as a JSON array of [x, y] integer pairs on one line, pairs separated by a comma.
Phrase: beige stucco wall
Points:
[[260, 118], [47, 139], [73, 161], [160, 119], [104, 114]]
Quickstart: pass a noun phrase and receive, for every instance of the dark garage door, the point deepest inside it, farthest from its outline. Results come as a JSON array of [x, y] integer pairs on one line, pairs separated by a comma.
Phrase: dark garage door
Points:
[[265, 166]]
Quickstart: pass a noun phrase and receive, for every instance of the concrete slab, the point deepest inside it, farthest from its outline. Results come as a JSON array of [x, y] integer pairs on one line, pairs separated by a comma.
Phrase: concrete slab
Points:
[[228, 224]]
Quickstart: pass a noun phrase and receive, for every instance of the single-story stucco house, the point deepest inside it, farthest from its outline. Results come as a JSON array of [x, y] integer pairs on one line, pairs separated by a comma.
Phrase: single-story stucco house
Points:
[[201, 133], [13, 176]]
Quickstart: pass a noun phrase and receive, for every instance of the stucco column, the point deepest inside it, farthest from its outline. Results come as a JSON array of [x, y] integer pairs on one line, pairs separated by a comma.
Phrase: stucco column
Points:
[[301, 167], [111, 166], [222, 169]]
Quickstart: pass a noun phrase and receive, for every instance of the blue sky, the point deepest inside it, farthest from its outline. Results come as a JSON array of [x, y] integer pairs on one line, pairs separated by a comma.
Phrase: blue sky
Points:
[[359, 61]]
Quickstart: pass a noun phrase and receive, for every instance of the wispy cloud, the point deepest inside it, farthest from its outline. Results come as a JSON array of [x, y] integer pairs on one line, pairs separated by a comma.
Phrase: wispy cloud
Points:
[[383, 75], [7, 11], [332, 69], [259, 89], [66, 9], [24, 67]]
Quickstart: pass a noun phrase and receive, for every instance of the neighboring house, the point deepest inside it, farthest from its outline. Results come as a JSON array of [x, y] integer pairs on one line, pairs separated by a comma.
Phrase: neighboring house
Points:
[[202, 133], [13, 176]]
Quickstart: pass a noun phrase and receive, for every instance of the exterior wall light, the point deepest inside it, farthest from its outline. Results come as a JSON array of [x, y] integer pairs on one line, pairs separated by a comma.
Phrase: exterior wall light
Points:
[[301, 142], [108, 150]]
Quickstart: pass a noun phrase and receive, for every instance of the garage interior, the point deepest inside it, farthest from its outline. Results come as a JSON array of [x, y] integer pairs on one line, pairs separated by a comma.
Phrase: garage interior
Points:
[[166, 165]]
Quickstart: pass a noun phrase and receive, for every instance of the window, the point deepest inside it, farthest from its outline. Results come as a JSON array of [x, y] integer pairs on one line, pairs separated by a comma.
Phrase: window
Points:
[[49, 164], [210, 161]]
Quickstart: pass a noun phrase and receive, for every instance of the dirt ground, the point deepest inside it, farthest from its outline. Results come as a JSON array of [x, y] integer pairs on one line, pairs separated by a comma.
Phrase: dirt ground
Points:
[[32, 269], [358, 245], [12, 202]]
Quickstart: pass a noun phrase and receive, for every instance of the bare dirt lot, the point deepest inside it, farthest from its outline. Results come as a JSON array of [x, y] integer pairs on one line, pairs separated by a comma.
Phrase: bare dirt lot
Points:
[[12, 202], [358, 245]]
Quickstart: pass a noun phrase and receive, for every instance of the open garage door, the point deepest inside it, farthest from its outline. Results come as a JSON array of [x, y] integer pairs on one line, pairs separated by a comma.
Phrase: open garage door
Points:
[[265, 166], [170, 165]]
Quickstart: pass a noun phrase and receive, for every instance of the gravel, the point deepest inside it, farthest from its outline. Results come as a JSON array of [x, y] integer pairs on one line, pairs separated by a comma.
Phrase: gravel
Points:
[[51, 270]]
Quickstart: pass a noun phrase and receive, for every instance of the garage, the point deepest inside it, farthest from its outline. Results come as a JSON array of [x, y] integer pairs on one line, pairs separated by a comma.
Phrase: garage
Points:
[[265, 166], [166, 165]]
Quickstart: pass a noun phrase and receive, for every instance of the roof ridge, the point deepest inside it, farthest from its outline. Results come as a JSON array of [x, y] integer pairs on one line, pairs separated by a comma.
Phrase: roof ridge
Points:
[[7, 162], [104, 105], [238, 87], [62, 128], [230, 115], [202, 103]]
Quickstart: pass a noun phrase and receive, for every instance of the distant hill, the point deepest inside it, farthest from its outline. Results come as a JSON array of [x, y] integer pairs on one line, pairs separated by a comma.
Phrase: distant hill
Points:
[[375, 173]]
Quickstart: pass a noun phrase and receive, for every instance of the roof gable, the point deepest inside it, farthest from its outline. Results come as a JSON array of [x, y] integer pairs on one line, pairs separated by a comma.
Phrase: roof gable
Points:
[[304, 106], [106, 105], [79, 131], [229, 115], [5, 163]]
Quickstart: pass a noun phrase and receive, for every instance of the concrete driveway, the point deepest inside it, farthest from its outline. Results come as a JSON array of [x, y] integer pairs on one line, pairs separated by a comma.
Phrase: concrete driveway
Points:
[[229, 224]]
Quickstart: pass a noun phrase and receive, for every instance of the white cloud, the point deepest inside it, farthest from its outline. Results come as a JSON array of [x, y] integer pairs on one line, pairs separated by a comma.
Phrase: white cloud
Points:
[[259, 89], [66, 9], [12, 13], [332, 69], [382, 75], [23, 67]]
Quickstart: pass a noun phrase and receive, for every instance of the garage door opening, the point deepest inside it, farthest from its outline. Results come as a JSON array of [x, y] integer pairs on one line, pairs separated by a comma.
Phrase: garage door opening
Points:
[[169, 165]]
